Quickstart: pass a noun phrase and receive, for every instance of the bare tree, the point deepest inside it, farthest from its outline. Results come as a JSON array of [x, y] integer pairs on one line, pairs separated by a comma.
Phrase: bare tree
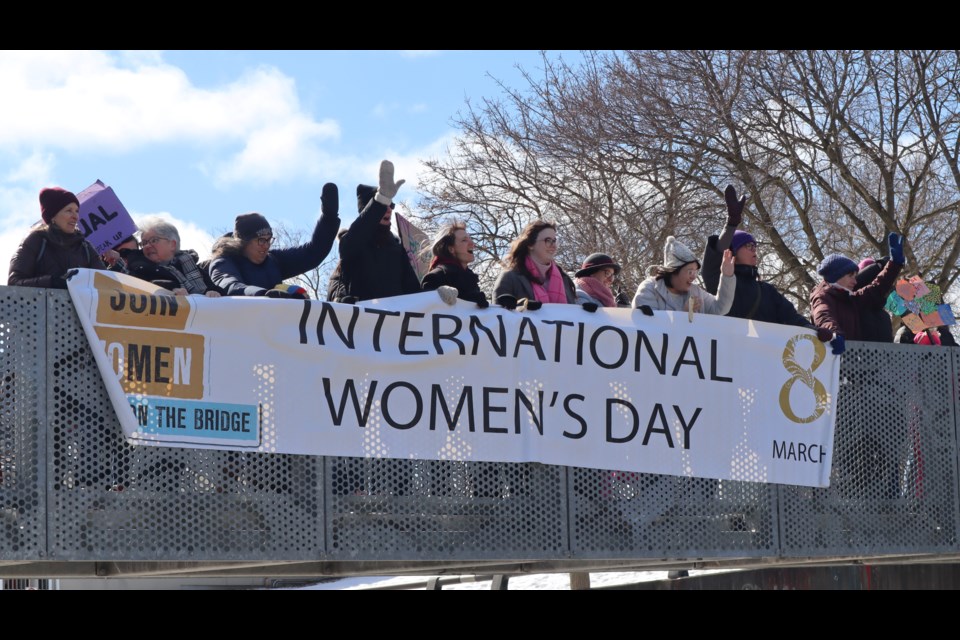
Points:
[[835, 149]]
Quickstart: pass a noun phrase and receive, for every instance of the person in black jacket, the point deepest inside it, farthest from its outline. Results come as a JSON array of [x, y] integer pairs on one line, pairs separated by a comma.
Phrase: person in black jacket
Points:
[[452, 254], [754, 299], [373, 263], [875, 324], [243, 263], [55, 246]]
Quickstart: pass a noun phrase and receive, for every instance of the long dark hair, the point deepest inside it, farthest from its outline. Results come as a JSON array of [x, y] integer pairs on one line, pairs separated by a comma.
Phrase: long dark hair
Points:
[[520, 248]]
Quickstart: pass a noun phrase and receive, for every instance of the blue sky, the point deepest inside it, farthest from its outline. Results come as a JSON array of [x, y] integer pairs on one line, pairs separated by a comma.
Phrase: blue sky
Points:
[[201, 136]]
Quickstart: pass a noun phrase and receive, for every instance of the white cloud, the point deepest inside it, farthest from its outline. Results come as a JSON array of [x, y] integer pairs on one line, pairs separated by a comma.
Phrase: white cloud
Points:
[[420, 107], [98, 101]]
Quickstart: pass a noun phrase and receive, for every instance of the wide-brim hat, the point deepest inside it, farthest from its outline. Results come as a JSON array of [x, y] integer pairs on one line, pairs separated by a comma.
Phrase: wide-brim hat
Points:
[[595, 262]]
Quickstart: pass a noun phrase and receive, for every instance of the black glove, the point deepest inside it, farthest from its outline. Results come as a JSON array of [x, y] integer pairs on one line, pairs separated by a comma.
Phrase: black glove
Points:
[[590, 306], [276, 293], [526, 304], [57, 282], [734, 206], [507, 301], [645, 310], [824, 335], [482, 303], [349, 300], [330, 200]]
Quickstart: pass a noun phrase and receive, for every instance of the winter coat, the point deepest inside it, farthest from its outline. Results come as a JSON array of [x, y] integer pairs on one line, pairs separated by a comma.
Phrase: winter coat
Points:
[[905, 336], [236, 275], [753, 299], [839, 311], [517, 284], [654, 293], [373, 263], [139, 266], [45, 256], [450, 274], [875, 324]]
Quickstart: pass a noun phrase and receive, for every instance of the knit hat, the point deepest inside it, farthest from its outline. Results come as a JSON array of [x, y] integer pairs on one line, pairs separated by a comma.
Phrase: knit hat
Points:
[[595, 262], [364, 193], [835, 266], [927, 337], [866, 262], [675, 254], [251, 225], [52, 200], [740, 238]]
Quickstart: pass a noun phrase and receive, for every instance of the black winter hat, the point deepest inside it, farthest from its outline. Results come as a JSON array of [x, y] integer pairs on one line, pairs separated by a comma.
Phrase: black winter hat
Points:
[[595, 262], [364, 193], [251, 225]]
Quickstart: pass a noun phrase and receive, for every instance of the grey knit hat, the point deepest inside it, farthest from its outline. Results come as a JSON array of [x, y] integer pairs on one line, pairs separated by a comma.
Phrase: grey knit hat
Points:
[[676, 254]]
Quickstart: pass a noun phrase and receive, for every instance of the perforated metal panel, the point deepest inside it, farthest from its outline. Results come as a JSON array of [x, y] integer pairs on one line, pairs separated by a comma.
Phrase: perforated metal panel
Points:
[[114, 501], [22, 501], [894, 483], [72, 489], [618, 514], [436, 509]]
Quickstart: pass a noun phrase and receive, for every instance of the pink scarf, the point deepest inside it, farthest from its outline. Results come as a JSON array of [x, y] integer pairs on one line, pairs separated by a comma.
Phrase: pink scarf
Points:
[[553, 292], [597, 290]]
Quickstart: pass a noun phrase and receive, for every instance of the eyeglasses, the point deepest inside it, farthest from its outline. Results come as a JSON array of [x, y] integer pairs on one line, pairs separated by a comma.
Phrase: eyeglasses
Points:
[[550, 242], [749, 245], [265, 241], [151, 241]]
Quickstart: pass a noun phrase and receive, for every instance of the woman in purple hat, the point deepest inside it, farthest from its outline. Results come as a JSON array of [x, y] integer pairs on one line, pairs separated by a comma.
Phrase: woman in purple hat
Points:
[[55, 246]]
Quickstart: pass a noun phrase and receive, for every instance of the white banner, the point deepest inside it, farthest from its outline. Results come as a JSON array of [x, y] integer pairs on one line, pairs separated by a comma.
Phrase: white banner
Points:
[[411, 377]]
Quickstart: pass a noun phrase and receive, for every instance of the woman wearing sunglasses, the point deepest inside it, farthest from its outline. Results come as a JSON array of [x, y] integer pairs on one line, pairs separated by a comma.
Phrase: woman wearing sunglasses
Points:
[[245, 264]]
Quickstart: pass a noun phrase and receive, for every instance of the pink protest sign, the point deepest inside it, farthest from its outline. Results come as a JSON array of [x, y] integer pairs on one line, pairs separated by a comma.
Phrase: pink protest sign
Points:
[[103, 218]]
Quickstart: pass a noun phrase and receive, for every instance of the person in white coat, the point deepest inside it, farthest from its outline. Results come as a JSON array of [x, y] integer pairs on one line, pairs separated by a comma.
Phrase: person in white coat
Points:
[[672, 286]]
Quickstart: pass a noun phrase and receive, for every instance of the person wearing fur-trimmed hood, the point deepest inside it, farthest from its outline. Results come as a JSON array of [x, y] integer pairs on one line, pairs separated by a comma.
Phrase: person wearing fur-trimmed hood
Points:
[[671, 286], [244, 264]]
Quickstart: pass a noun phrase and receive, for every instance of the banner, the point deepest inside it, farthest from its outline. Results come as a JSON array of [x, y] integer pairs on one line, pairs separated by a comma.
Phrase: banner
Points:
[[103, 218], [411, 377]]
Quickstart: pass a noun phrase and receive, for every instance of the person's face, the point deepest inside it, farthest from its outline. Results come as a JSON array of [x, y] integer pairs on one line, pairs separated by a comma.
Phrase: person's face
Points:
[[848, 281], [463, 247], [67, 218], [747, 254], [385, 220], [684, 278], [545, 248], [256, 250], [605, 276], [157, 248]]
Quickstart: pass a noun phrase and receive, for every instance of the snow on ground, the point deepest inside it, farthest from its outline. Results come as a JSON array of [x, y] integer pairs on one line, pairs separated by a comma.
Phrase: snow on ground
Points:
[[533, 582]]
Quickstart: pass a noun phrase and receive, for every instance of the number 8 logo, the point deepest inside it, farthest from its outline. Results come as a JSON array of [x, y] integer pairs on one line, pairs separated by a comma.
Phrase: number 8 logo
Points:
[[805, 376]]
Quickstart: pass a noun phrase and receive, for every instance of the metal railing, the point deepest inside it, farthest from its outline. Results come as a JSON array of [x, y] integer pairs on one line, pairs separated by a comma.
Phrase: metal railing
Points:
[[73, 491]]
